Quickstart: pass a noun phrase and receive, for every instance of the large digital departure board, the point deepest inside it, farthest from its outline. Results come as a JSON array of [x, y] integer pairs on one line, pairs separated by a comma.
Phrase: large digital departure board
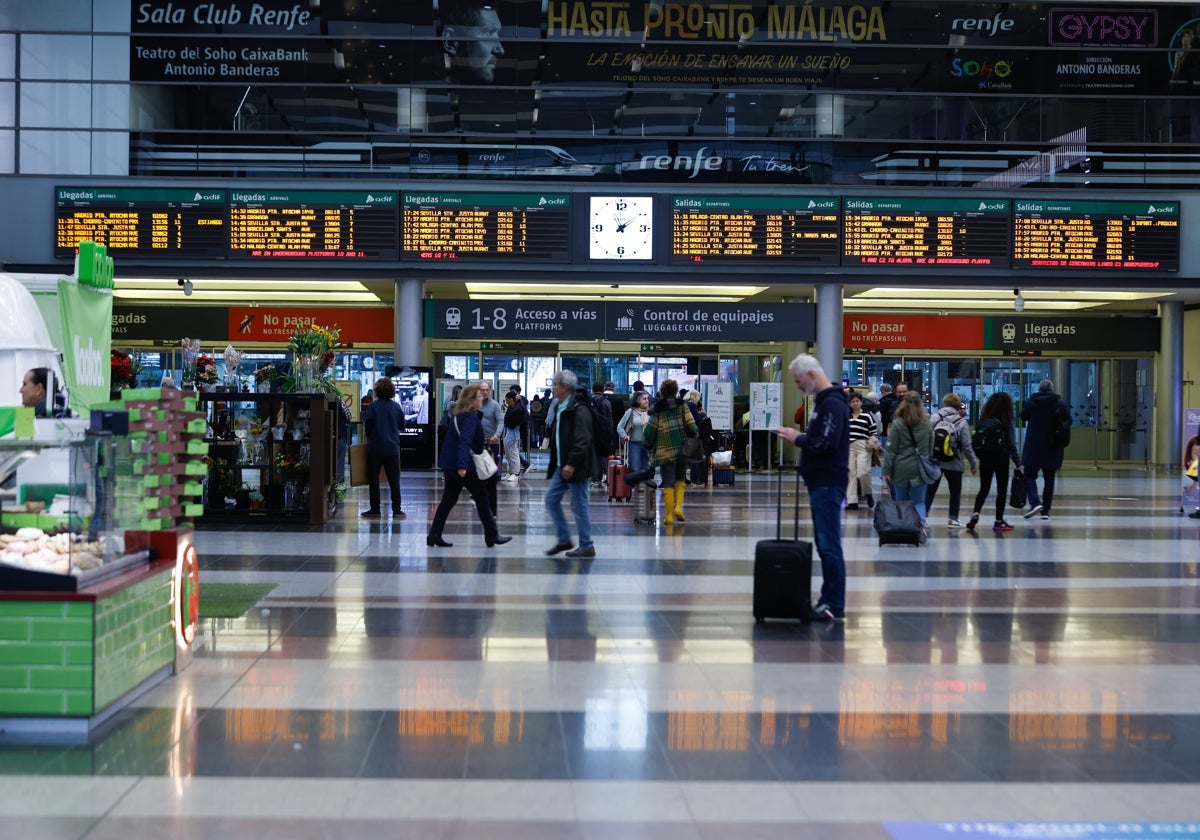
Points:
[[926, 232], [167, 223], [464, 226], [313, 224], [769, 229], [1141, 235]]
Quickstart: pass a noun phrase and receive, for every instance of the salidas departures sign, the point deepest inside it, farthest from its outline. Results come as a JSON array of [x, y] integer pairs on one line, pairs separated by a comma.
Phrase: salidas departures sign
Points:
[[619, 320]]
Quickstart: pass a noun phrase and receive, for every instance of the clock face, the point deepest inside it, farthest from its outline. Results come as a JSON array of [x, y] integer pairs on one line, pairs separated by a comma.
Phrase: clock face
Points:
[[621, 228]]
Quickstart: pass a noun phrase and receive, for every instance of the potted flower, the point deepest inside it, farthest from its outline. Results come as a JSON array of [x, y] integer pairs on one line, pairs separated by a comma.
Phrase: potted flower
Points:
[[256, 499], [264, 376], [124, 370], [312, 349], [206, 373]]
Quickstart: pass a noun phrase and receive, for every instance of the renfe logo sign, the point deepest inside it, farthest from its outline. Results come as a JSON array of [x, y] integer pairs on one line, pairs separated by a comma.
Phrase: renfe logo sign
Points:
[[1082, 27]]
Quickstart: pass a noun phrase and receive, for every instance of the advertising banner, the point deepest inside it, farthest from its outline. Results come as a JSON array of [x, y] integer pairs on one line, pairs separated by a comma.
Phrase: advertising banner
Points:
[[1191, 460], [86, 314]]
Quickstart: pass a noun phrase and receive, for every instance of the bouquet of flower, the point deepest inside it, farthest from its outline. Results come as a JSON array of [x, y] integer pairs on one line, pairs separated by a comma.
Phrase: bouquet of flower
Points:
[[290, 469], [190, 351], [125, 370], [233, 362], [206, 371], [315, 340], [266, 373]]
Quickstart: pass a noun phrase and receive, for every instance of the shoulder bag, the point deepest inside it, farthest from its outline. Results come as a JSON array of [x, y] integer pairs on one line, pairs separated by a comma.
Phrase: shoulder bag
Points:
[[930, 471], [484, 463]]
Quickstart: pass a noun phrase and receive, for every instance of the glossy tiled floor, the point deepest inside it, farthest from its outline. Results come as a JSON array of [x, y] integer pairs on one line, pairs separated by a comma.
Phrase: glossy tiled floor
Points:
[[387, 689]]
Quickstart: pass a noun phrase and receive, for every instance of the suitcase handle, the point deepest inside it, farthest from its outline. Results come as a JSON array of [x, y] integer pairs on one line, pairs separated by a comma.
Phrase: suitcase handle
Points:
[[779, 505]]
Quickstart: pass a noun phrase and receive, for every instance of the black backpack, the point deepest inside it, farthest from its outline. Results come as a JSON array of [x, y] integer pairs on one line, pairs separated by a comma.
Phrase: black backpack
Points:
[[1060, 428], [945, 441], [602, 427], [988, 439]]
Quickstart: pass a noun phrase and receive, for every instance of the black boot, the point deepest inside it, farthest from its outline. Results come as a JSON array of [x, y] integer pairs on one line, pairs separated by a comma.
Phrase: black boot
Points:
[[870, 502]]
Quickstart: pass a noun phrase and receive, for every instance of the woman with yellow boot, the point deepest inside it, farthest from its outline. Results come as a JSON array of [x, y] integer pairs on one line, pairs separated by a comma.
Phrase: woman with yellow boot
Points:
[[672, 424]]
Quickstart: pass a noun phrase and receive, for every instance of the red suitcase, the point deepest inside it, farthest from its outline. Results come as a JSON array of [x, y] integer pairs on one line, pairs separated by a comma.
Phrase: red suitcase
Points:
[[618, 488]]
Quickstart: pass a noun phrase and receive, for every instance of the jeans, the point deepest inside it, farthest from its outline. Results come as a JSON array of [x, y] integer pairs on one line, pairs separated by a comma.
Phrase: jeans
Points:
[[1047, 497], [826, 503], [512, 450], [579, 506], [915, 493], [954, 480], [638, 459], [391, 468], [986, 470]]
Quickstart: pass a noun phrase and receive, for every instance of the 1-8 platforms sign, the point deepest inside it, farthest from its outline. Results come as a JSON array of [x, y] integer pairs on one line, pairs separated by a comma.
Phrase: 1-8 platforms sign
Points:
[[619, 321]]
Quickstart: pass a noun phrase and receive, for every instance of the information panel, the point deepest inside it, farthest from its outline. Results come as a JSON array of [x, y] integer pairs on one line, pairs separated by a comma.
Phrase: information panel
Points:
[[465, 226], [926, 231], [140, 222], [1137, 235], [284, 224], [771, 229]]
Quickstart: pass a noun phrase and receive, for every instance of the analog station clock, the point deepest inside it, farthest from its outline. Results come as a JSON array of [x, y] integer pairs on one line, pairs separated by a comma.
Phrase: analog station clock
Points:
[[621, 228]]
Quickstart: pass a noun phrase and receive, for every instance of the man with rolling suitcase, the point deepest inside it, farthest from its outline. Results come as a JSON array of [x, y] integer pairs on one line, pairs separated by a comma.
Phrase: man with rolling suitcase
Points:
[[825, 468]]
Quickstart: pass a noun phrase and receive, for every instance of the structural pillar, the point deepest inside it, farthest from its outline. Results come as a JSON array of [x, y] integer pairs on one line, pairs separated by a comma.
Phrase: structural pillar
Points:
[[829, 330], [791, 396], [1168, 395], [408, 322]]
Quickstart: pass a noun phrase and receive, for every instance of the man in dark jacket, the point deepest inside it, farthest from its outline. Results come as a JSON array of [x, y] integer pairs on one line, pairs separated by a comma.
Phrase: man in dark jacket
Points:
[[1042, 413], [572, 463], [383, 423], [825, 467]]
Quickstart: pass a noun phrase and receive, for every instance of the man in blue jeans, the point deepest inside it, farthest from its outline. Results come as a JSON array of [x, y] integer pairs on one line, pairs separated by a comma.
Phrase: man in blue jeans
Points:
[[825, 468], [573, 462]]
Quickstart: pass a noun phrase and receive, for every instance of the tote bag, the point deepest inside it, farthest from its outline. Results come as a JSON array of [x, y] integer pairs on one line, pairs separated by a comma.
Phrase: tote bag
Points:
[[485, 464], [930, 471]]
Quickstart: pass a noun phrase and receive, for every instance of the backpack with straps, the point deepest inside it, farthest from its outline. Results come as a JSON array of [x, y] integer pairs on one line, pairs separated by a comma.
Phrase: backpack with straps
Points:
[[988, 439], [945, 440]]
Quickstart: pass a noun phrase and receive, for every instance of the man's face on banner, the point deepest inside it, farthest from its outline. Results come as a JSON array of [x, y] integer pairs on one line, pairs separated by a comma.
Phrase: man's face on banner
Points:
[[475, 48]]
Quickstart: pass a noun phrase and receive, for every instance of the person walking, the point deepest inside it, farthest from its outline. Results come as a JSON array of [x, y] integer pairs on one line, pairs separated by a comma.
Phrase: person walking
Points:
[[862, 427], [995, 444], [1043, 413], [573, 462], [383, 421], [632, 427], [515, 416], [464, 435], [910, 438], [537, 421], [825, 468], [672, 422], [492, 416], [698, 467], [952, 416]]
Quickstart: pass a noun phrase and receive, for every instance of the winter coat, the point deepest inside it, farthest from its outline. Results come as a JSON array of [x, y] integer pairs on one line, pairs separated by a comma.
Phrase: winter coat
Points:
[[573, 425], [962, 439], [900, 460], [464, 435], [825, 446], [1041, 412], [383, 422], [673, 422]]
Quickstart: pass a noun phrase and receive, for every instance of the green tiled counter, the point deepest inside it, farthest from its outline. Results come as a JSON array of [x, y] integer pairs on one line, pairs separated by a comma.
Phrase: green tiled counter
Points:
[[75, 654]]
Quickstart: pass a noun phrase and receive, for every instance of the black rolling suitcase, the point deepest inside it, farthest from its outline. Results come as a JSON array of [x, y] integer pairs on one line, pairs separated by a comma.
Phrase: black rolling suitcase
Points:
[[897, 523], [783, 569]]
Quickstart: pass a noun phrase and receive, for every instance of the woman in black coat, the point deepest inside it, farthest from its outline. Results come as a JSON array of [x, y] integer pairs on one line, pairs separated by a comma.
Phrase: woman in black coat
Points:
[[464, 435]]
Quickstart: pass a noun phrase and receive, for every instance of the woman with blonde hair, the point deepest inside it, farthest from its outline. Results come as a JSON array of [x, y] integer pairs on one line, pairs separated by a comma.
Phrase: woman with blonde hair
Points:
[[910, 438], [464, 435]]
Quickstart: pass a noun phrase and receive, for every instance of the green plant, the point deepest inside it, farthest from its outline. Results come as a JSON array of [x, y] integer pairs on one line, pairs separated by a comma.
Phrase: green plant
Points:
[[339, 489], [313, 340]]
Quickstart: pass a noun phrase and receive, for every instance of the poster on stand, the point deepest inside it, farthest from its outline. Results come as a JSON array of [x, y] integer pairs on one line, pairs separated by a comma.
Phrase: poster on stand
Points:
[[1190, 462], [718, 404], [766, 408]]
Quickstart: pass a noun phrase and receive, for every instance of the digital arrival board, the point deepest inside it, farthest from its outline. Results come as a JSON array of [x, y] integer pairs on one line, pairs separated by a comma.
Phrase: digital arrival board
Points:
[[926, 232], [156, 223], [473, 226], [755, 229], [1120, 235], [294, 224]]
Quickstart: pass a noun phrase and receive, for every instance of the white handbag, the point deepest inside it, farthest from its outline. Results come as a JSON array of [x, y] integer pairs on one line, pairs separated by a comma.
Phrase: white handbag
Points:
[[485, 464]]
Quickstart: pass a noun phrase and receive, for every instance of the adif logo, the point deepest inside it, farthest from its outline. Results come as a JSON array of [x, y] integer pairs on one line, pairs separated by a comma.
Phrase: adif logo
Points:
[[1170, 208], [811, 204], [381, 199], [87, 363], [995, 205], [541, 200]]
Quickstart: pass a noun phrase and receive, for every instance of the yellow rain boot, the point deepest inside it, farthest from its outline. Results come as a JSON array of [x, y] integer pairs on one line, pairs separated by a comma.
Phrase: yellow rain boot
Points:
[[679, 486], [668, 506]]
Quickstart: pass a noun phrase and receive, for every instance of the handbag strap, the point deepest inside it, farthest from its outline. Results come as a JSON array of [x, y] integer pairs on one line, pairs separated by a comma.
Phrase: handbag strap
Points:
[[913, 438]]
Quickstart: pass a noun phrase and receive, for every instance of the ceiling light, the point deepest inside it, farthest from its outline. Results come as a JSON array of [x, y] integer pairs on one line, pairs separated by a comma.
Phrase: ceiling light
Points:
[[494, 291], [294, 296]]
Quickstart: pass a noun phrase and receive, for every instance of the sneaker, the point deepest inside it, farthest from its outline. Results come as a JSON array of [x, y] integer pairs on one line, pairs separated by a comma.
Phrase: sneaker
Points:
[[824, 612], [1045, 517], [399, 514], [852, 506], [954, 523], [1001, 526], [370, 514], [1194, 514], [582, 552], [973, 521], [1032, 512]]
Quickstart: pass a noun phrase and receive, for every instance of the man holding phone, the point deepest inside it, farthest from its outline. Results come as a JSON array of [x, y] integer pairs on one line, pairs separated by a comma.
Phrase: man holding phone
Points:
[[825, 468]]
